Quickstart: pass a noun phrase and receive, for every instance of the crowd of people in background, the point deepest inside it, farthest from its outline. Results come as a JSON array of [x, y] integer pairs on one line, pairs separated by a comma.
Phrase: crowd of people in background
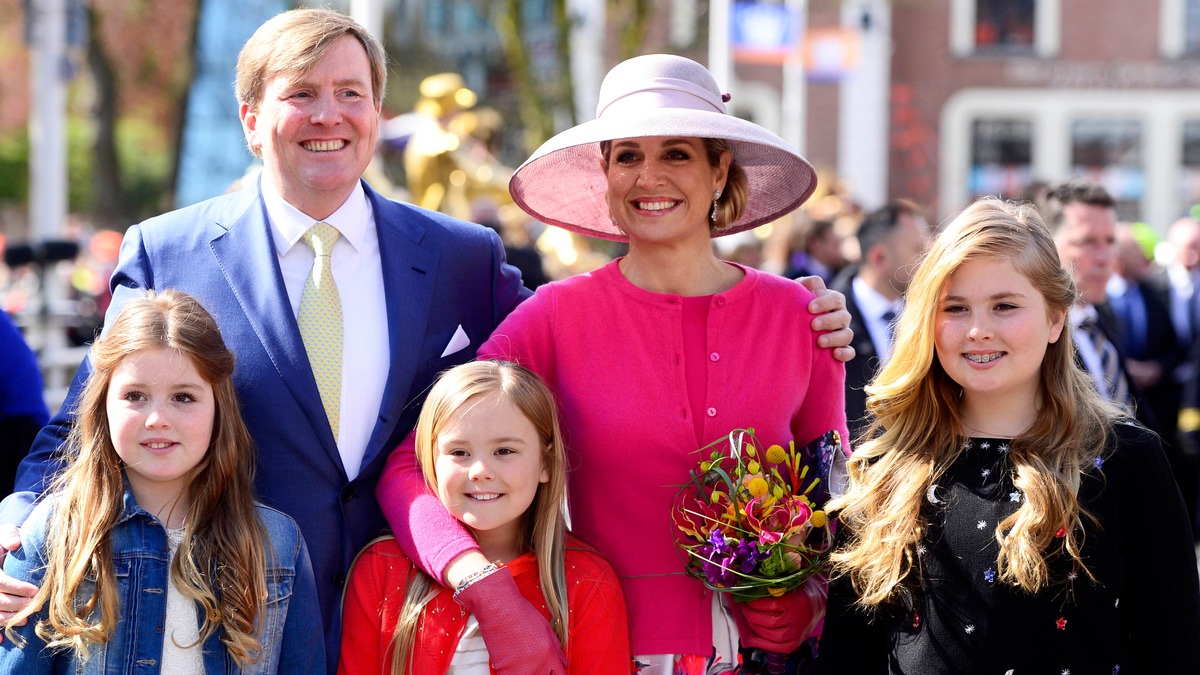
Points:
[[328, 431]]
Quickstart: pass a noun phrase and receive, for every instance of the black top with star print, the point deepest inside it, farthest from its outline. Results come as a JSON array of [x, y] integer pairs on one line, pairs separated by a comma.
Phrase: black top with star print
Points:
[[1141, 616]]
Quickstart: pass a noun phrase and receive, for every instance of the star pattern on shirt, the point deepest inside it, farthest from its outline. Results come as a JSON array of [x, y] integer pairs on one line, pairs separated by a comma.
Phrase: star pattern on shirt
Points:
[[1099, 462], [921, 550], [1014, 496], [970, 628], [989, 575], [1003, 447], [981, 524], [985, 473], [1061, 623], [985, 445]]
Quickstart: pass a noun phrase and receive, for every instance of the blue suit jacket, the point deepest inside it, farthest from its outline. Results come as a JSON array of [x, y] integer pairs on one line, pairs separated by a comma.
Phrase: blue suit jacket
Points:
[[439, 274]]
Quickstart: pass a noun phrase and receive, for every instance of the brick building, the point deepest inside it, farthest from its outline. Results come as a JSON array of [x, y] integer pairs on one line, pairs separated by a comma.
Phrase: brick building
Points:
[[987, 95]]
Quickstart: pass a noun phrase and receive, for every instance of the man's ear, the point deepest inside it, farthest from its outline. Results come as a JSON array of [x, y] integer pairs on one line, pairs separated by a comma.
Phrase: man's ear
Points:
[[249, 125]]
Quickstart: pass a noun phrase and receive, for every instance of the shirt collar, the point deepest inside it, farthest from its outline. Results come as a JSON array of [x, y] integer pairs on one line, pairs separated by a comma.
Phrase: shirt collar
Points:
[[1117, 285], [871, 302], [288, 223], [1080, 313], [1181, 278]]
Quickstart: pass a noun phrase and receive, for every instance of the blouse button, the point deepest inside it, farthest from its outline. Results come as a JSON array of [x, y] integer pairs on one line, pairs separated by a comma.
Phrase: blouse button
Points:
[[714, 357], [721, 301], [712, 412]]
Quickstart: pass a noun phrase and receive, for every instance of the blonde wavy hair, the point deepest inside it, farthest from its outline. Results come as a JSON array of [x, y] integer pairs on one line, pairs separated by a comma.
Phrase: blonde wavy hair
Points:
[[918, 431], [544, 527], [220, 563]]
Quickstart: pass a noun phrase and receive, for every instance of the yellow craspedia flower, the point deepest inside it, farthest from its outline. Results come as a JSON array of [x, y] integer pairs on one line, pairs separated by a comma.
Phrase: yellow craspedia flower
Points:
[[776, 592], [758, 486], [818, 519], [753, 467], [776, 454]]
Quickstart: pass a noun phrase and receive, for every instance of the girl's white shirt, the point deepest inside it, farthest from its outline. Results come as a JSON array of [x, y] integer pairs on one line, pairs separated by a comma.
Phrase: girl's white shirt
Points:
[[471, 654], [181, 627]]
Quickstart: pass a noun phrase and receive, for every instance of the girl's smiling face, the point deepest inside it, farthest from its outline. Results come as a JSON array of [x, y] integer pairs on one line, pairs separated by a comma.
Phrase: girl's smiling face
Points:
[[160, 417], [992, 330], [488, 463]]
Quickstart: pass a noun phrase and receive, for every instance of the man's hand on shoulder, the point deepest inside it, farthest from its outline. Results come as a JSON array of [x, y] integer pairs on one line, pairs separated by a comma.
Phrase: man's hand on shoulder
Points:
[[14, 593], [830, 318]]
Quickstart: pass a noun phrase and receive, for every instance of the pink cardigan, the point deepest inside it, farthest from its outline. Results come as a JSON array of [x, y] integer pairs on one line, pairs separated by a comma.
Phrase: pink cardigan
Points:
[[613, 354]]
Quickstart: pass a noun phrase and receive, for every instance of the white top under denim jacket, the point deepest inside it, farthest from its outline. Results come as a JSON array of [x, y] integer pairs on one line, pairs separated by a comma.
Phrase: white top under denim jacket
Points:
[[290, 631]]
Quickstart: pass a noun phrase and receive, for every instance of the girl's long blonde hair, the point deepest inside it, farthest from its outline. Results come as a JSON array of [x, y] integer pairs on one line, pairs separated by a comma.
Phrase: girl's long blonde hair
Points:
[[220, 563], [544, 524], [918, 432]]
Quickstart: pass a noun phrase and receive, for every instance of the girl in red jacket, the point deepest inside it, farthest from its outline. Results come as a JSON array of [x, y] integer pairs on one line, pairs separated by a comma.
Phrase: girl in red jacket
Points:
[[488, 443]]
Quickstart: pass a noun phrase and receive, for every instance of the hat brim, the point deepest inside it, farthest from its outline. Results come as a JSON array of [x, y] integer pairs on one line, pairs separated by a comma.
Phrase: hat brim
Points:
[[564, 183]]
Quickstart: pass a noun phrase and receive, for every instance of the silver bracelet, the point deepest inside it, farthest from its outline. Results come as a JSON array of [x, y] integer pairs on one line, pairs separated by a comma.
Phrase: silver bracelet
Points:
[[476, 576]]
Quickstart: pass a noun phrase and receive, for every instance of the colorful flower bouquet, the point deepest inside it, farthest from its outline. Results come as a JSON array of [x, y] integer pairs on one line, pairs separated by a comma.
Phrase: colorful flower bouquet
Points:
[[751, 521]]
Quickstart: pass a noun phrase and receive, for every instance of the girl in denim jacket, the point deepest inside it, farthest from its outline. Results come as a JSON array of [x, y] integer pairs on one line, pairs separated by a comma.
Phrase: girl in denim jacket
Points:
[[150, 552]]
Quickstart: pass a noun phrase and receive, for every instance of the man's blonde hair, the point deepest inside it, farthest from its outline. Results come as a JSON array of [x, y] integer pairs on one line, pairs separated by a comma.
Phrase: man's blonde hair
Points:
[[293, 42]]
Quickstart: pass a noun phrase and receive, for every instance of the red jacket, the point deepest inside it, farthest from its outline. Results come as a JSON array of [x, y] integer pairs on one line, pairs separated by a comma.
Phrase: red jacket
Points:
[[598, 631]]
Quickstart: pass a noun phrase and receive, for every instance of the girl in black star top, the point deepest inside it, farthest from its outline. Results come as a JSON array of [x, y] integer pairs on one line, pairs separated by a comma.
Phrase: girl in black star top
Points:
[[1003, 518]]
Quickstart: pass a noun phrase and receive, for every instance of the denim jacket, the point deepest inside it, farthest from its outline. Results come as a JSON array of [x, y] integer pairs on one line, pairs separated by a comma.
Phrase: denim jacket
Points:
[[290, 632]]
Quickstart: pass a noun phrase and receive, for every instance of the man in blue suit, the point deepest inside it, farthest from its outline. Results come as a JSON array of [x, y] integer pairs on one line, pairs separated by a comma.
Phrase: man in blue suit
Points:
[[419, 292]]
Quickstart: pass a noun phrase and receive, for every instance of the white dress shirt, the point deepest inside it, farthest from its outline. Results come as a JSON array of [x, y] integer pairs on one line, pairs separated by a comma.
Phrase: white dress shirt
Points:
[[1183, 288], [358, 273], [873, 305], [1085, 347]]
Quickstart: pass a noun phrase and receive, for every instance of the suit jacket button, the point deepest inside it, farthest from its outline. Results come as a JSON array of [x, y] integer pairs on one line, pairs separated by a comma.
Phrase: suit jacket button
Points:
[[339, 580], [347, 494]]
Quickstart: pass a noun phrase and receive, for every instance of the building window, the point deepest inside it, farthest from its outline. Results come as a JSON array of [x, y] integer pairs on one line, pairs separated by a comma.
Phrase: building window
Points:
[[1004, 25], [1001, 157], [1189, 177], [1191, 28], [1108, 151]]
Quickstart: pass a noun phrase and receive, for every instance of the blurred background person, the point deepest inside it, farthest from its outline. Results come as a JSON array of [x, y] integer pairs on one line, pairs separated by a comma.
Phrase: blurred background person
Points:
[[23, 409], [815, 249], [892, 240], [1147, 337], [512, 224]]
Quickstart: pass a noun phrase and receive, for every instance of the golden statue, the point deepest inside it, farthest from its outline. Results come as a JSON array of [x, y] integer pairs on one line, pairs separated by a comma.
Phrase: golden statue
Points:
[[446, 161]]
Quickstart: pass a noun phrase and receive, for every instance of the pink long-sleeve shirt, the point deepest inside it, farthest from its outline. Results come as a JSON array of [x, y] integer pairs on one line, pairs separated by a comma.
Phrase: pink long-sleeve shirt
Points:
[[613, 355]]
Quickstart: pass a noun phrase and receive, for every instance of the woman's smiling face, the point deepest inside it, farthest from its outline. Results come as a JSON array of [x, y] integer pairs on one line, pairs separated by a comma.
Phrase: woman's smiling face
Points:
[[992, 330], [661, 188]]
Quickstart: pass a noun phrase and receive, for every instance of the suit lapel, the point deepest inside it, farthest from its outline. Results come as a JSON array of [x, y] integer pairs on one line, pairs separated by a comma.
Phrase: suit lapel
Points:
[[409, 270], [246, 255]]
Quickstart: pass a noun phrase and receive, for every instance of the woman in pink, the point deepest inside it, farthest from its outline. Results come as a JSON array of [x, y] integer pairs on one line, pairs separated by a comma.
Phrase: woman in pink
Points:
[[661, 351]]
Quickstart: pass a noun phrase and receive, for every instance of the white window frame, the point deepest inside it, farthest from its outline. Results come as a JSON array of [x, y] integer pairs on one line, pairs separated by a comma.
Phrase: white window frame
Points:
[[1162, 113], [1047, 28]]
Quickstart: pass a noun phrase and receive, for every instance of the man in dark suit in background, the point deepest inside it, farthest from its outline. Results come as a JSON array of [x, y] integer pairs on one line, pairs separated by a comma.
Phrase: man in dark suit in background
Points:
[[892, 240], [1083, 218], [1152, 353], [815, 248]]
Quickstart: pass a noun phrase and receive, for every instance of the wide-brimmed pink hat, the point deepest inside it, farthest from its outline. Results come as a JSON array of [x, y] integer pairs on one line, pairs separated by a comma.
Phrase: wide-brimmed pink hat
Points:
[[563, 183]]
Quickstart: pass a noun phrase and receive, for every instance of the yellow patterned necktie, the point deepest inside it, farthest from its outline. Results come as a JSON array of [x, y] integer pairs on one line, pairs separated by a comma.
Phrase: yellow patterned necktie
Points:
[[320, 321]]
